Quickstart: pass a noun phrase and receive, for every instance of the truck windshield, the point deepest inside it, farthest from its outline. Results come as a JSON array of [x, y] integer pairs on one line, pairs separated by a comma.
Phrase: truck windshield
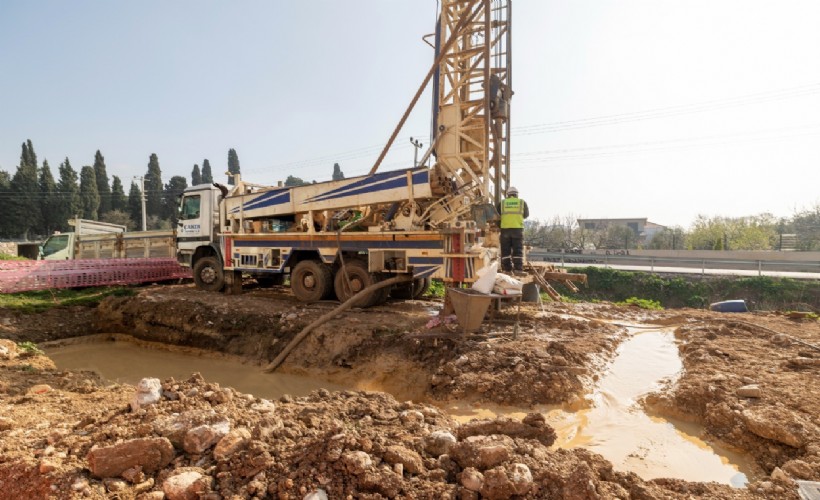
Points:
[[189, 208], [54, 244]]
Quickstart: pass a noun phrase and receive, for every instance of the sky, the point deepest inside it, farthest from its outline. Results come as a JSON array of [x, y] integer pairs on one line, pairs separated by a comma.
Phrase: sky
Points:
[[623, 108]]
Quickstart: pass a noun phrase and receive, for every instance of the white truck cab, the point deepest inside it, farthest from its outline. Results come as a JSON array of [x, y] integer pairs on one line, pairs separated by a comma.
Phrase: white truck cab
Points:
[[63, 246]]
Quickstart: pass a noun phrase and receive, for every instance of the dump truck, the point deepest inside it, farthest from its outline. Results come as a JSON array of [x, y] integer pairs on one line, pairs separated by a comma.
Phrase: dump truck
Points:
[[338, 237], [101, 240]]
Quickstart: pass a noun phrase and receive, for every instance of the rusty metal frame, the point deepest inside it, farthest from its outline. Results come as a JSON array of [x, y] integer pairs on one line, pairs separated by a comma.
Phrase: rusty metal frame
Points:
[[473, 143]]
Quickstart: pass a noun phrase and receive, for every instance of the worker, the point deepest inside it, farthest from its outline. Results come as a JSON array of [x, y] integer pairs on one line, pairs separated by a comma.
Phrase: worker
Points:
[[513, 211]]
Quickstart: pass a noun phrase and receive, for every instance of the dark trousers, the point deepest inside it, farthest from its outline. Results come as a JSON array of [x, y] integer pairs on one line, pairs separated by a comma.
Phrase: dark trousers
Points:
[[512, 249]]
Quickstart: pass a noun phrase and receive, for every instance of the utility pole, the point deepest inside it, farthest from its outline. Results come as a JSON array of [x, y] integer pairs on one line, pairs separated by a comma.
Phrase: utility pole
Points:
[[143, 198], [417, 145]]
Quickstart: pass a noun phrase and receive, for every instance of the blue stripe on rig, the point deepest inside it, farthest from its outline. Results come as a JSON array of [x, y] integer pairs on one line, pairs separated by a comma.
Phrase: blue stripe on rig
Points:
[[273, 198], [377, 182], [426, 260], [345, 245]]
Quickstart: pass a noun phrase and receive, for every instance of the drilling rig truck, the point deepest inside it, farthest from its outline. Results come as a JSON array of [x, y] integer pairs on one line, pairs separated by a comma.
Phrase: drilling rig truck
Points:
[[338, 237]]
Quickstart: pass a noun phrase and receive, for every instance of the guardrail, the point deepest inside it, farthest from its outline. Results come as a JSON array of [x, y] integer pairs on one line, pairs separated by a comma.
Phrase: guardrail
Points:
[[663, 264]]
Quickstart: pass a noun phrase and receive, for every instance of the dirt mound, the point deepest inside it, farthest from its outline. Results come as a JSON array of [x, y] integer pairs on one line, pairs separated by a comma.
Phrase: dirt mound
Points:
[[752, 381]]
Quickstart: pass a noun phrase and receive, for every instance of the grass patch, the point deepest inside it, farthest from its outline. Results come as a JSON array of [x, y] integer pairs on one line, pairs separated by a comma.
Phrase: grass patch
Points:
[[761, 292], [42, 300], [5, 256], [652, 305]]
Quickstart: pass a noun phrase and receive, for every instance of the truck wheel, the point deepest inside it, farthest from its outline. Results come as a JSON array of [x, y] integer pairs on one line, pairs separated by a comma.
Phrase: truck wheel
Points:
[[311, 280], [360, 279], [420, 287], [208, 274]]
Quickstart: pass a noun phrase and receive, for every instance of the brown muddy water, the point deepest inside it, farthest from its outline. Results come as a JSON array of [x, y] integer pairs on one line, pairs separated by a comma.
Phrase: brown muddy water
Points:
[[127, 362], [612, 423], [615, 425]]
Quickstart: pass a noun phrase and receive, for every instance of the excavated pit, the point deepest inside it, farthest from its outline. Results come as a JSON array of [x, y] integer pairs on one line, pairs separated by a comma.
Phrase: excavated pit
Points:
[[562, 365], [612, 424]]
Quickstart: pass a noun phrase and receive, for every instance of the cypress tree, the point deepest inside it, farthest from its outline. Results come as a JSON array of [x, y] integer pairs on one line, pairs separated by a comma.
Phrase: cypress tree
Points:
[[49, 204], [103, 187], [196, 177], [153, 187], [69, 199], [25, 215], [135, 205], [173, 190], [5, 203], [118, 199], [233, 164], [337, 172], [89, 196], [207, 176]]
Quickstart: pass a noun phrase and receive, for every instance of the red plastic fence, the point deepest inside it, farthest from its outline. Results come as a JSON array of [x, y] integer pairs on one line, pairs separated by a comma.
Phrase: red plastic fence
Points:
[[25, 275]]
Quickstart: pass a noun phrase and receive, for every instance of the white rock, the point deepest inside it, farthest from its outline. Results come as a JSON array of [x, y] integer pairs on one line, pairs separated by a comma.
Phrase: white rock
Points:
[[202, 437], [438, 443], [264, 406], [521, 479], [749, 391], [357, 462], [319, 494], [149, 391], [183, 486]]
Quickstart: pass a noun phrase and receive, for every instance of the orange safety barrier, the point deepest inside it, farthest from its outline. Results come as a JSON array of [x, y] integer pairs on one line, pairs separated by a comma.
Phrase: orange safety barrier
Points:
[[26, 275]]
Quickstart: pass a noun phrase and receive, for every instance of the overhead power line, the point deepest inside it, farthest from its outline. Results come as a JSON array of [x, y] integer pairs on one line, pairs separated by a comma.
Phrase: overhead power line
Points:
[[755, 138], [669, 111]]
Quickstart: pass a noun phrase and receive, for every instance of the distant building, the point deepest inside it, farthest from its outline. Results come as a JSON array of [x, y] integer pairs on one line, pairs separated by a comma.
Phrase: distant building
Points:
[[643, 229]]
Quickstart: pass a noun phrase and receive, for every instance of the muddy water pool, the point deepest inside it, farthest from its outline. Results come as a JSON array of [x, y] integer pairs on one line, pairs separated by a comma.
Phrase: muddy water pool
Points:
[[125, 362], [613, 423], [616, 426]]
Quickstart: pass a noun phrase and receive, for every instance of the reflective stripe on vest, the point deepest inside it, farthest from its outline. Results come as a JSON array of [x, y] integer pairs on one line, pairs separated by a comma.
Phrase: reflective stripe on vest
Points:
[[512, 213]]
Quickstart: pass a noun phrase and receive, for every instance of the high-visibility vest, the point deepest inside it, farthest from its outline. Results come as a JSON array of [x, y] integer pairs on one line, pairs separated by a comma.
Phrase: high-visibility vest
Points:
[[512, 213]]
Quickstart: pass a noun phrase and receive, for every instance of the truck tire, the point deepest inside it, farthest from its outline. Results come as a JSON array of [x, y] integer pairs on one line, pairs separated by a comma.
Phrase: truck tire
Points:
[[311, 281], [360, 279], [208, 274], [420, 287], [412, 290]]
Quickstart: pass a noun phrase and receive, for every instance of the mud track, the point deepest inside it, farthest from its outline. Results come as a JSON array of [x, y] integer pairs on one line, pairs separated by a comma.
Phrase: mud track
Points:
[[368, 445]]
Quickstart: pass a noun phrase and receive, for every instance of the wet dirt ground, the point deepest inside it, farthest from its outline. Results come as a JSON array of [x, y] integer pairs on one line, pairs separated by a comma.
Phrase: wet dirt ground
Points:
[[750, 380]]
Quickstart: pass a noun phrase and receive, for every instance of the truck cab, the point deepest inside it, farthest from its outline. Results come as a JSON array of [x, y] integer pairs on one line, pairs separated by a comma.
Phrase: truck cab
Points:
[[58, 247], [63, 246], [197, 225]]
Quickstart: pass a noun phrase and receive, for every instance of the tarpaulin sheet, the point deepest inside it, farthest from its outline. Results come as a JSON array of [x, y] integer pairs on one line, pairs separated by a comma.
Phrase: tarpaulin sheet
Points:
[[25, 275]]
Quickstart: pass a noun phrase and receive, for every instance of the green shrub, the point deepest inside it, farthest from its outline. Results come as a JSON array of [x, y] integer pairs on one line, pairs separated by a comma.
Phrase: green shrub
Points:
[[29, 348], [652, 305], [760, 292]]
